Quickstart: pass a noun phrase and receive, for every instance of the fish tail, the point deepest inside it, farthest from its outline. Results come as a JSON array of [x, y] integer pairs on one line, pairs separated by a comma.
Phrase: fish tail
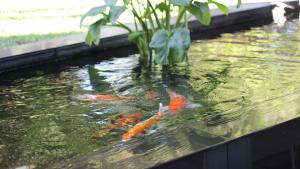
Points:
[[160, 109], [163, 109]]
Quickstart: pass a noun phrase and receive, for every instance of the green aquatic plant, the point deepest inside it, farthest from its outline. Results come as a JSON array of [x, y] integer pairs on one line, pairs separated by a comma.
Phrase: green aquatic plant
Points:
[[154, 27]]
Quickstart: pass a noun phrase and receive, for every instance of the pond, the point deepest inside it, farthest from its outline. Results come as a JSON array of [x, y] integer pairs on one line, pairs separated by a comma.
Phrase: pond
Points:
[[238, 83]]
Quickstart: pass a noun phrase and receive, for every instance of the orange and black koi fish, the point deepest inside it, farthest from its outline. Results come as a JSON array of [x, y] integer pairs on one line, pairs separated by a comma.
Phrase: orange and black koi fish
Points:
[[143, 126], [100, 97], [122, 121]]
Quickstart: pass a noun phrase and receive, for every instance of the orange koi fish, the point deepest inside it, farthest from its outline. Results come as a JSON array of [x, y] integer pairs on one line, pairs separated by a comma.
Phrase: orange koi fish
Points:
[[151, 95], [177, 102], [100, 97], [142, 127], [122, 121]]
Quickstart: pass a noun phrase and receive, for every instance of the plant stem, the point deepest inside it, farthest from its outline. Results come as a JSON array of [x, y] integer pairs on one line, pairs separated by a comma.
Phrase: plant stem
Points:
[[143, 43], [186, 20], [145, 29], [168, 15], [139, 7], [155, 15], [135, 25], [119, 24], [179, 17], [152, 24], [142, 23]]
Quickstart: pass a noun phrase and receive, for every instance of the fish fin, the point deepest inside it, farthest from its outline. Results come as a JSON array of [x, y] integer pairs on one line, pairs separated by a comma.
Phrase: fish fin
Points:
[[160, 109], [192, 105], [163, 109]]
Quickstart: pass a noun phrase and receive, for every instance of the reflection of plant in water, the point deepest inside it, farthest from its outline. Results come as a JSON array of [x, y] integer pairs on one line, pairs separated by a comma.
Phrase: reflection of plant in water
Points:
[[97, 81]]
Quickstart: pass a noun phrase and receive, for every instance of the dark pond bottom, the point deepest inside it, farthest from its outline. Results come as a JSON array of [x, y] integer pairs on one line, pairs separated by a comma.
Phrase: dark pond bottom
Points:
[[244, 81]]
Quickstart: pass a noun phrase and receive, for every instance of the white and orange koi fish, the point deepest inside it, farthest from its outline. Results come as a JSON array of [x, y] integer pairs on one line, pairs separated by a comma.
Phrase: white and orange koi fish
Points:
[[143, 126]]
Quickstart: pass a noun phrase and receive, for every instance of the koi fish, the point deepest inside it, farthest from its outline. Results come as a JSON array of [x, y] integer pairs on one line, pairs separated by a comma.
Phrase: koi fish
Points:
[[100, 97], [151, 95], [143, 126], [177, 102], [122, 121]]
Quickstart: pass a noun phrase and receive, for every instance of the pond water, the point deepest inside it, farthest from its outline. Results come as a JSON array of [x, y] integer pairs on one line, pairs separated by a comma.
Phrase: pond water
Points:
[[244, 82]]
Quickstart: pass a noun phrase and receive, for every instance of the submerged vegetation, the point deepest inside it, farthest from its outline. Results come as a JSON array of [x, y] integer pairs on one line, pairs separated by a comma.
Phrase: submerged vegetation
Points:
[[154, 27]]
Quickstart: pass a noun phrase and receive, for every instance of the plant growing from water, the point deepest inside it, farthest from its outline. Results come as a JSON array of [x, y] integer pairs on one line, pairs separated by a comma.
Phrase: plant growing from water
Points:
[[154, 28]]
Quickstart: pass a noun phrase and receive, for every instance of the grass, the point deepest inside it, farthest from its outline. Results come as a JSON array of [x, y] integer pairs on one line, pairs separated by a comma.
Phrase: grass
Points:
[[35, 20], [22, 39]]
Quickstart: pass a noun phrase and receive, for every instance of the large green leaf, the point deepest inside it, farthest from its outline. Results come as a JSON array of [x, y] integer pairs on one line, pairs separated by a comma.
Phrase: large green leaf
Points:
[[110, 2], [94, 32], [201, 11], [180, 2], [170, 49], [222, 7], [93, 12], [115, 12], [179, 44], [159, 43]]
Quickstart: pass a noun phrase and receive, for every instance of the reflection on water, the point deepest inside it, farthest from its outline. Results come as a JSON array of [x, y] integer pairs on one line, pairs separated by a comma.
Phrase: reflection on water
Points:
[[244, 81]]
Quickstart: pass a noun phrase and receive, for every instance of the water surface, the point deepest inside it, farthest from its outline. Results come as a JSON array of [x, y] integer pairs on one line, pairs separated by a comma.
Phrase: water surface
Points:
[[245, 82]]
